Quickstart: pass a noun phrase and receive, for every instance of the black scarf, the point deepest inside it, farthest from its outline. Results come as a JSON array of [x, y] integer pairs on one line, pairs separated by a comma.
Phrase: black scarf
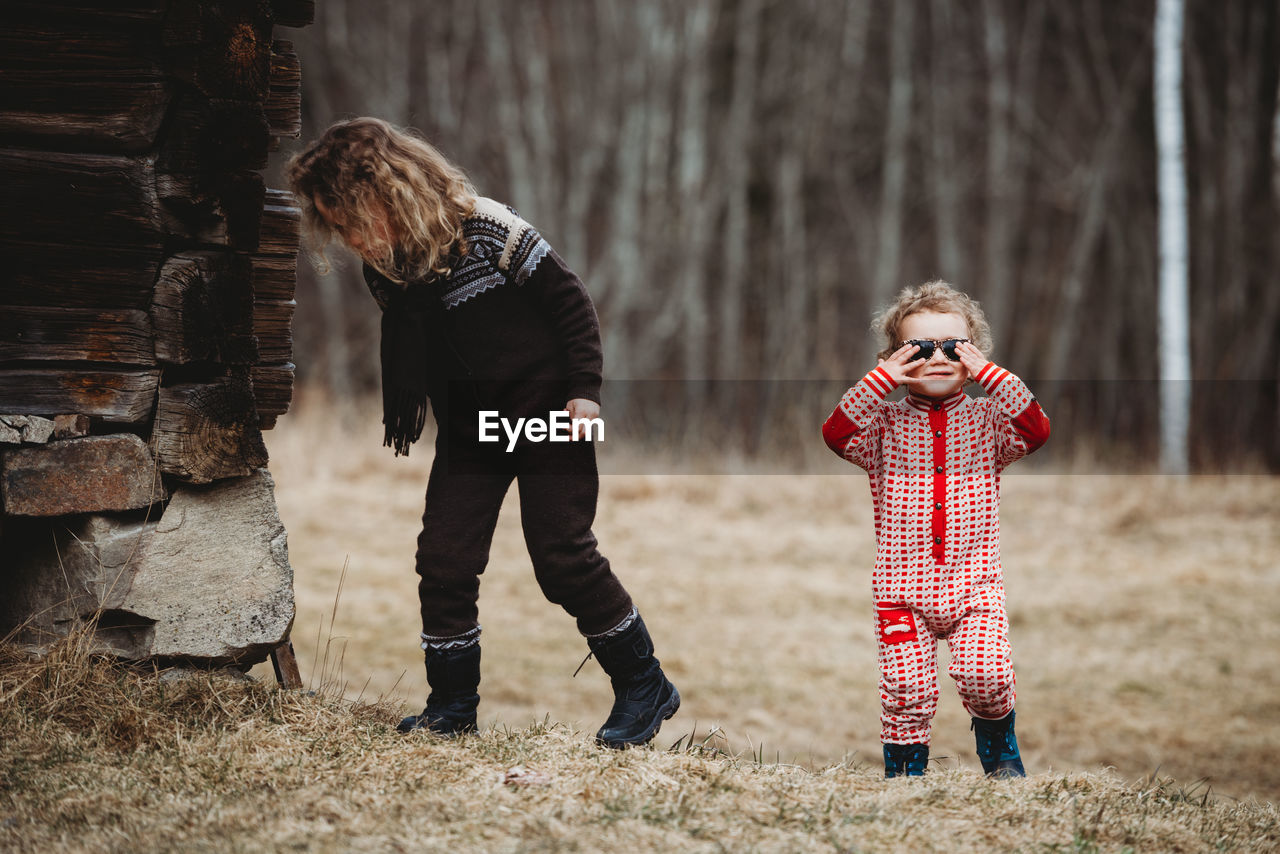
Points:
[[406, 322], [404, 378]]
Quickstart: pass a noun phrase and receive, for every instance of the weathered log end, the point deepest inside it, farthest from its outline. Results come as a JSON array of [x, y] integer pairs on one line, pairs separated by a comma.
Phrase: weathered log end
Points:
[[280, 224], [223, 49], [223, 209], [272, 391], [284, 99], [203, 309], [272, 324], [208, 431]]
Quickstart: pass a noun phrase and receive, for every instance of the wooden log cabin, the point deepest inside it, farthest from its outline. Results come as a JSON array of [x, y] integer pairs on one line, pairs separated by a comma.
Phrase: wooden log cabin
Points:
[[146, 287]]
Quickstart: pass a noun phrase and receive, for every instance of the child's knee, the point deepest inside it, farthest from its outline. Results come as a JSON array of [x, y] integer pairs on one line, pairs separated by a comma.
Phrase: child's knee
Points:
[[987, 691]]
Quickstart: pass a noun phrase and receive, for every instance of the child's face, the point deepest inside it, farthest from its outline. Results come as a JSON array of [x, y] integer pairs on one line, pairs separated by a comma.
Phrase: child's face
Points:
[[367, 242], [944, 377]]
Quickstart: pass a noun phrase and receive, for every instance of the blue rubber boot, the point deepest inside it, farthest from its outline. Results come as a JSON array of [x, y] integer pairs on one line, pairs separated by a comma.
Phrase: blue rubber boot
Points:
[[998, 747], [905, 760]]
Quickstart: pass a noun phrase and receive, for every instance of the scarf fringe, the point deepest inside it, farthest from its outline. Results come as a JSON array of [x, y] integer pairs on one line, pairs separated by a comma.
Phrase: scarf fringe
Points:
[[403, 415], [403, 353]]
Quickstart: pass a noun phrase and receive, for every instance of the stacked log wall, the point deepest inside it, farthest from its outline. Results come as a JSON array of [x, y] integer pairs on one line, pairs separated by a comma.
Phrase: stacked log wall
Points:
[[146, 297]]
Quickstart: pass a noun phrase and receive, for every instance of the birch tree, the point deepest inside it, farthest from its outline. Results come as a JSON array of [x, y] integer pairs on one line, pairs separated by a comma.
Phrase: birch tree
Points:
[[1174, 340], [895, 156]]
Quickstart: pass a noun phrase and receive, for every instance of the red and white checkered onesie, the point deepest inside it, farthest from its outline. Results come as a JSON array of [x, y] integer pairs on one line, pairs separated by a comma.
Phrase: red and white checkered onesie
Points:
[[934, 469]]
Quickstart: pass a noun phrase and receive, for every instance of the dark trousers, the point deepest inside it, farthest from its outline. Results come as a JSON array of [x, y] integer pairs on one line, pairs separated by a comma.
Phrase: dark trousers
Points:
[[559, 485]]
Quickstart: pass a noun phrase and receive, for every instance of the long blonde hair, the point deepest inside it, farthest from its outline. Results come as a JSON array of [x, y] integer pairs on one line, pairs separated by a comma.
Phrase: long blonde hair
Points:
[[938, 296], [365, 168]]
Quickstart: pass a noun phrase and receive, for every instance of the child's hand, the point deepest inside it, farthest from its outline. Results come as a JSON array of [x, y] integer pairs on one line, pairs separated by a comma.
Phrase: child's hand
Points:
[[897, 365], [972, 359], [580, 407]]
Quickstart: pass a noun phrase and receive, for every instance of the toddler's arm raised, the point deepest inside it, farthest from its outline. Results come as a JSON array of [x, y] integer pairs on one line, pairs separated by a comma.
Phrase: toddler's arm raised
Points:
[[1024, 426], [856, 428]]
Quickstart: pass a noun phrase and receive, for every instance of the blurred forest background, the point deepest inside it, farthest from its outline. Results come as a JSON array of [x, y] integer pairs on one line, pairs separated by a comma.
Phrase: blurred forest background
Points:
[[741, 183]]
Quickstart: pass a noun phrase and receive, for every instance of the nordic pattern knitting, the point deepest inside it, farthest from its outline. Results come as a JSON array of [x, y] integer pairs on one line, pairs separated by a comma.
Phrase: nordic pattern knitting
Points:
[[621, 627], [501, 248], [440, 644]]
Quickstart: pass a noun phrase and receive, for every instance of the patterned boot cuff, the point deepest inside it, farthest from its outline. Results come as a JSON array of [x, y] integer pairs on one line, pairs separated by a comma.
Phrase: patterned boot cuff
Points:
[[440, 644], [621, 627]]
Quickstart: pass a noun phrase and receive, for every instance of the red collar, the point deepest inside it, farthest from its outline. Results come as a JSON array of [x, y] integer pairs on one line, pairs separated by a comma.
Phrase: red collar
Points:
[[925, 404]]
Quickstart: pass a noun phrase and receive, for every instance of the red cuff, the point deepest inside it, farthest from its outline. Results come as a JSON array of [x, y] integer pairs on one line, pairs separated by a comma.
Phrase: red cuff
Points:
[[991, 377], [880, 382]]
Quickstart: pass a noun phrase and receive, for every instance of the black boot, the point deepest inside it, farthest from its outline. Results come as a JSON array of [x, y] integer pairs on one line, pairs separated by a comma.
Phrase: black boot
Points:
[[905, 760], [643, 697], [998, 747], [454, 676]]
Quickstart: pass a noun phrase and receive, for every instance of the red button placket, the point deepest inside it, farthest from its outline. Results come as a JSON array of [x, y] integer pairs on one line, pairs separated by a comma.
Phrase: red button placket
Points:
[[938, 430]]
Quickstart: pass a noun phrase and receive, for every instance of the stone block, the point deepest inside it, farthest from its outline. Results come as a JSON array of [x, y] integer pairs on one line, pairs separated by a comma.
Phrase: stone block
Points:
[[87, 475], [207, 582], [31, 429], [59, 573]]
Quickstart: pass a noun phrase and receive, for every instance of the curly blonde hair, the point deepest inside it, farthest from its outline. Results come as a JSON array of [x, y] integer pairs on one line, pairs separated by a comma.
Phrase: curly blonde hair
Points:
[[937, 296], [365, 168]]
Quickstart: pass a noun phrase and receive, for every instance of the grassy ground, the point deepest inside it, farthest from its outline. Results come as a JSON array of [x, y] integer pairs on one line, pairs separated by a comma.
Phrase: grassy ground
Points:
[[1143, 609], [95, 758], [1144, 630]]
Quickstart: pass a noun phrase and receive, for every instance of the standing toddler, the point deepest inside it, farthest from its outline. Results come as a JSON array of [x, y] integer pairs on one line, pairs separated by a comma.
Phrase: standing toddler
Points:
[[934, 461]]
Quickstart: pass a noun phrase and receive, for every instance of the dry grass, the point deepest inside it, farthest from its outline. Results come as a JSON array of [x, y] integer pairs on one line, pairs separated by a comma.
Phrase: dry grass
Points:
[[1143, 608], [1144, 631], [95, 757]]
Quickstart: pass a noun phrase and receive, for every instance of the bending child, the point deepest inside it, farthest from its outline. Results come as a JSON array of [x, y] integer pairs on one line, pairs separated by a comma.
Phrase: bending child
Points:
[[481, 315], [934, 461]]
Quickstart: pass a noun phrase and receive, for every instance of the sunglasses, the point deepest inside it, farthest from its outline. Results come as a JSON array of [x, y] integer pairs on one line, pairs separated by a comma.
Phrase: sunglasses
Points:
[[928, 345]]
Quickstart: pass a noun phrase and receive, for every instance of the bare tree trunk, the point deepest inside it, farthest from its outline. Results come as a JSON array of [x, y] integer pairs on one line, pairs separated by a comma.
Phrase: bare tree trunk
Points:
[[685, 312], [441, 37], [1275, 153], [1084, 246], [625, 261], [857, 265], [658, 239], [736, 154], [1023, 129], [1175, 344], [942, 144], [999, 222], [593, 108], [789, 329], [695, 198], [535, 109], [339, 377], [896, 154], [337, 363], [508, 107]]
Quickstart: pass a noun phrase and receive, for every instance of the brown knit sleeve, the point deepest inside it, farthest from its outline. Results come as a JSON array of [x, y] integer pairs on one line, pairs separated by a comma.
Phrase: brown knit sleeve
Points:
[[564, 298]]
